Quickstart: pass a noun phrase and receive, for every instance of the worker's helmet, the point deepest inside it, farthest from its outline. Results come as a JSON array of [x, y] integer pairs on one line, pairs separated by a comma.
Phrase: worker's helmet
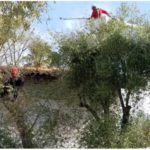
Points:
[[14, 71]]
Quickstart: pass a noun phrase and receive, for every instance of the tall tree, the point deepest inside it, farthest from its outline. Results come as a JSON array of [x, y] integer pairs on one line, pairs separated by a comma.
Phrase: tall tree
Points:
[[15, 15], [81, 52], [40, 53], [107, 59], [15, 48], [15, 20], [56, 59]]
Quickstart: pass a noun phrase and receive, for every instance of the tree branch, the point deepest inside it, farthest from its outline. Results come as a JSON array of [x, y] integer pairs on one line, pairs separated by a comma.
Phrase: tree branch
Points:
[[120, 97], [35, 121], [88, 107], [127, 97]]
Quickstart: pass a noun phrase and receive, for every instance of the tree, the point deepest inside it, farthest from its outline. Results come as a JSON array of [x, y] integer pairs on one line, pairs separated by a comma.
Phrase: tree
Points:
[[125, 51], [40, 53], [18, 116], [15, 48], [100, 135], [15, 22], [15, 19], [107, 59], [56, 59], [6, 141], [137, 133], [15, 15], [82, 51]]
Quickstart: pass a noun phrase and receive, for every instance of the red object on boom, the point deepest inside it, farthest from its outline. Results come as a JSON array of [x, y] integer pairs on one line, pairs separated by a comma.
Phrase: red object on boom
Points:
[[102, 11]]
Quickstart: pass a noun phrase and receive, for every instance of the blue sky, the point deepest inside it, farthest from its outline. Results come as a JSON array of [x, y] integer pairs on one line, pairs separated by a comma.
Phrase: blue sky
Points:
[[76, 9]]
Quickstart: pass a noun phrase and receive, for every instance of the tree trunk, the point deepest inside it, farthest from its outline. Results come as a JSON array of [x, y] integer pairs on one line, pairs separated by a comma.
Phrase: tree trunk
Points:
[[26, 136], [83, 103], [106, 104], [125, 108], [18, 116], [125, 117], [92, 111]]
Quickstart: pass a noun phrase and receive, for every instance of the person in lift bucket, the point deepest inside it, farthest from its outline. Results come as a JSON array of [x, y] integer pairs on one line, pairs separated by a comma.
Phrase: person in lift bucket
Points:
[[97, 13]]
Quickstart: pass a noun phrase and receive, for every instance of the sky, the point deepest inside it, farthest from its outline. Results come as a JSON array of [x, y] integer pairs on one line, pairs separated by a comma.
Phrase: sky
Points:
[[73, 9], [70, 9]]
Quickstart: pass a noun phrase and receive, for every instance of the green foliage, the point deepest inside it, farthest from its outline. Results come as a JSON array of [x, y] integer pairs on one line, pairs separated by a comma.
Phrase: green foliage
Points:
[[6, 141], [110, 56], [56, 59], [122, 55], [98, 63], [130, 13], [1, 82], [107, 134], [40, 53], [16, 19], [137, 134], [99, 135], [15, 15]]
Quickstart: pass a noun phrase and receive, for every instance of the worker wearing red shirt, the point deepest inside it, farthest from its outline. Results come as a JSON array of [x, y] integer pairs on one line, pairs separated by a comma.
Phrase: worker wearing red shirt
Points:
[[15, 82], [97, 12]]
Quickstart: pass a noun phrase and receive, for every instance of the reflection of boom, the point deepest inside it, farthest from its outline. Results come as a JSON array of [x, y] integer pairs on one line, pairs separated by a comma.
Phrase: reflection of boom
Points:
[[61, 18]]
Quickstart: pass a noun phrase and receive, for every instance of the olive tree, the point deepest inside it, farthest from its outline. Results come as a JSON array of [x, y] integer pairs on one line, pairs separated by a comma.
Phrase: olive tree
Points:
[[39, 53], [16, 19], [108, 62]]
